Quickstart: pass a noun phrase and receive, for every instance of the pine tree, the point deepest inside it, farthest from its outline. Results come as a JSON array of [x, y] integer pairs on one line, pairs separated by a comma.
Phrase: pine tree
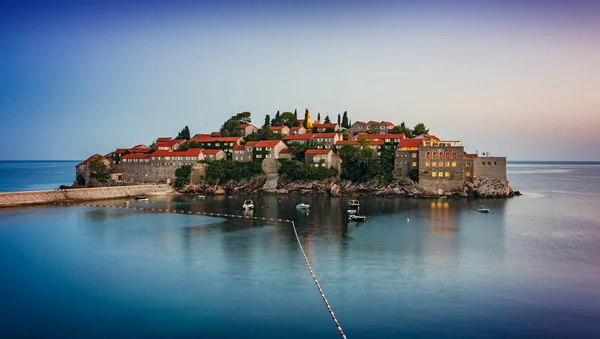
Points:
[[305, 124], [345, 122], [267, 121], [277, 120], [327, 120], [339, 120], [296, 114]]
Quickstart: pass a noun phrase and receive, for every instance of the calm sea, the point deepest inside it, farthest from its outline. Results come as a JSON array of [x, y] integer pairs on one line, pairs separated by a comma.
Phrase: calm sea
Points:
[[18, 176], [416, 269]]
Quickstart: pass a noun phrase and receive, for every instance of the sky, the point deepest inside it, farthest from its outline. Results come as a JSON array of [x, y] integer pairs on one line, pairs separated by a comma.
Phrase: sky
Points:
[[515, 78]]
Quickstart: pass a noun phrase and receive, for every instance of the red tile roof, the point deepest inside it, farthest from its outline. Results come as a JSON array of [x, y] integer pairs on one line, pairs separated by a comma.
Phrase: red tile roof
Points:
[[211, 151], [215, 134], [120, 150], [251, 143], [168, 143], [162, 153], [190, 152], [301, 122], [200, 135], [277, 128], [136, 156], [239, 148], [379, 136], [410, 142], [317, 151], [298, 137], [427, 136], [355, 142], [267, 143], [163, 139], [216, 139], [296, 128], [373, 122], [387, 123], [284, 151], [360, 122], [245, 125], [326, 125], [92, 158]]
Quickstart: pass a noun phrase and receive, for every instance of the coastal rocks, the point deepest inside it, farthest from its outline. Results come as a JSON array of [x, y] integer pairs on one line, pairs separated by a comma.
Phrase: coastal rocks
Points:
[[490, 188], [270, 166], [270, 185], [335, 190]]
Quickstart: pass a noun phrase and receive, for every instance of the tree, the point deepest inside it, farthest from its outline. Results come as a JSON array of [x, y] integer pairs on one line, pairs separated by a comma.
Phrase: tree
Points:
[[405, 130], [305, 124], [289, 119], [296, 113], [339, 120], [232, 125], [267, 121], [298, 150], [413, 174], [319, 118], [327, 120], [184, 134], [345, 120], [420, 129], [277, 120], [182, 176], [99, 170]]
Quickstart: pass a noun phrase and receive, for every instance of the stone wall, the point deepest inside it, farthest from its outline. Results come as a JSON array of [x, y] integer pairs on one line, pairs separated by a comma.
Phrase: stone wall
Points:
[[147, 172], [490, 167], [451, 165], [80, 194]]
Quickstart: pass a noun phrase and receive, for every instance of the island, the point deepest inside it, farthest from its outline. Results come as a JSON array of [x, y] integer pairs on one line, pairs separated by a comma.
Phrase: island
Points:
[[287, 155]]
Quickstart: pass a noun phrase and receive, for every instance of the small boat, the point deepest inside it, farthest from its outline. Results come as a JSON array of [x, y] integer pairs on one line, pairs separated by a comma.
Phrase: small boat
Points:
[[355, 217], [483, 209], [141, 198], [248, 204], [351, 212], [354, 204], [201, 197], [302, 205], [126, 202]]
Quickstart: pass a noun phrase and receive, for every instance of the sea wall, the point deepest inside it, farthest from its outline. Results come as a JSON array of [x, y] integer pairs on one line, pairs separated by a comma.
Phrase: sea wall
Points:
[[80, 194]]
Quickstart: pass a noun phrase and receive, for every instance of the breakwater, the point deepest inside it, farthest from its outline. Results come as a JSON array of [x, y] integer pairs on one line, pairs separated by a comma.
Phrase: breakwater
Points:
[[79, 194]]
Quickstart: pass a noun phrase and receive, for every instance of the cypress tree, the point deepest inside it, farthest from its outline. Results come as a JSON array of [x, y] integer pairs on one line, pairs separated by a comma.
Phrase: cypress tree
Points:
[[305, 124], [296, 114], [327, 120], [339, 120], [345, 122], [319, 117], [267, 121]]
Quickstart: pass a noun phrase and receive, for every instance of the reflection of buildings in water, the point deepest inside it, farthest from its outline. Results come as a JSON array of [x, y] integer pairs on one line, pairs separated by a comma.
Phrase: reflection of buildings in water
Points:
[[441, 221]]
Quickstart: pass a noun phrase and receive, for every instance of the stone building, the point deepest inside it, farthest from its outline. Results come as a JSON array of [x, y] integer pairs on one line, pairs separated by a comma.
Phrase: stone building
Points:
[[325, 140], [224, 143], [268, 149], [407, 156], [375, 145], [214, 154], [297, 130], [299, 138], [323, 128], [83, 172], [358, 127], [247, 129], [490, 167], [166, 145], [322, 157], [284, 130], [442, 166]]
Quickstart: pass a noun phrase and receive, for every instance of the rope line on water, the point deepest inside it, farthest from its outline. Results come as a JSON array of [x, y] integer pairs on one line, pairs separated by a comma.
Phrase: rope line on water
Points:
[[224, 215]]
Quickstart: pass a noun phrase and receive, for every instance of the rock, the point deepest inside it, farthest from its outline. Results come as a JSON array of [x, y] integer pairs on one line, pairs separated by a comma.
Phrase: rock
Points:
[[490, 188], [518, 193], [335, 190], [64, 187]]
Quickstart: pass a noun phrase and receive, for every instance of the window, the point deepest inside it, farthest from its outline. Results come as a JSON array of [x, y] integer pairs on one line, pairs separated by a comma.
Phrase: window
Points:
[[494, 163], [268, 148], [259, 155], [427, 164], [448, 155], [427, 155], [468, 173], [434, 164], [447, 164], [414, 155], [414, 164], [434, 174], [454, 155], [217, 144], [268, 156], [489, 163], [454, 164], [441, 174], [447, 174], [434, 155], [441, 155], [468, 163], [483, 163], [259, 148]]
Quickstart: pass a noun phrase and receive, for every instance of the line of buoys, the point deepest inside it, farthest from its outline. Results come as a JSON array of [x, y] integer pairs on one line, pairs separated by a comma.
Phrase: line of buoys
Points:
[[339, 327]]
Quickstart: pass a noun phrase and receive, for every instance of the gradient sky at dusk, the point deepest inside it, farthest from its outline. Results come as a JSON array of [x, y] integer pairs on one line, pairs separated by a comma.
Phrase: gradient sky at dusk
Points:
[[516, 78]]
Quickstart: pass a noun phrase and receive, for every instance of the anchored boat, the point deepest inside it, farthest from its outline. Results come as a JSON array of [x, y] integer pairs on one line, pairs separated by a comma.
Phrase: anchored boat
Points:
[[248, 204], [354, 204], [141, 198], [355, 217], [302, 206], [483, 209]]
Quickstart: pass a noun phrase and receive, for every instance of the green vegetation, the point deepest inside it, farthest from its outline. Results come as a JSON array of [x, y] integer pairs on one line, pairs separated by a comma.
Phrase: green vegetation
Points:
[[420, 129], [182, 176], [99, 170], [223, 171], [345, 123], [184, 134], [327, 120], [361, 165], [413, 174], [298, 150], [231, 126], [302, 171]]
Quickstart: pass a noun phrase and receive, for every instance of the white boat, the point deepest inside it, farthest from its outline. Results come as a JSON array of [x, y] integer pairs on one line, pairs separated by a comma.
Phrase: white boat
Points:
[[302, 206], [351, 212], [355, 217], [354, 204], [201, 197], [248, 204], [483, 209], [141, 198]]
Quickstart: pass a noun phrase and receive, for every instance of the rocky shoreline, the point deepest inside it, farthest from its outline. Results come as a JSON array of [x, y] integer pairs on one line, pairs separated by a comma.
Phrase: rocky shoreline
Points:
[[273, 184]]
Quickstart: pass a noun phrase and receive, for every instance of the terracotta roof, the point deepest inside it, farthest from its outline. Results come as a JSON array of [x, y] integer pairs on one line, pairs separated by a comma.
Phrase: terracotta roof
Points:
[[251, 143], [360, 122], [201, 135], [239, 148], [427, 136], [211, 151], [163, 153], [190, 152], [136, 156], [92, 158], [387, 123], [267, 143], [298, 137], [120, 150], [317, 151], [277, 128], [245, 125], [301, 122], [215, 134], [325, 135], [373, 122], [163, 139], [355, 142], [168, 143], [296, 128], [284, 151], [326, 125], [216, 139], [410, 142]]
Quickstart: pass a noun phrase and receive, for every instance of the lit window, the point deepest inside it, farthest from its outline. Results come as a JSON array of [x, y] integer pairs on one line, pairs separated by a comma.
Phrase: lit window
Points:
[[454, 155], [434, 155], [468, 173], [427, 164], [447, 164], [414, 155], [441, 174], [441, 155], [434, 174], [454, 164], [447, 174], [414, 164], [427, 155], [447, 155], [259, 155], [434, 164]]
